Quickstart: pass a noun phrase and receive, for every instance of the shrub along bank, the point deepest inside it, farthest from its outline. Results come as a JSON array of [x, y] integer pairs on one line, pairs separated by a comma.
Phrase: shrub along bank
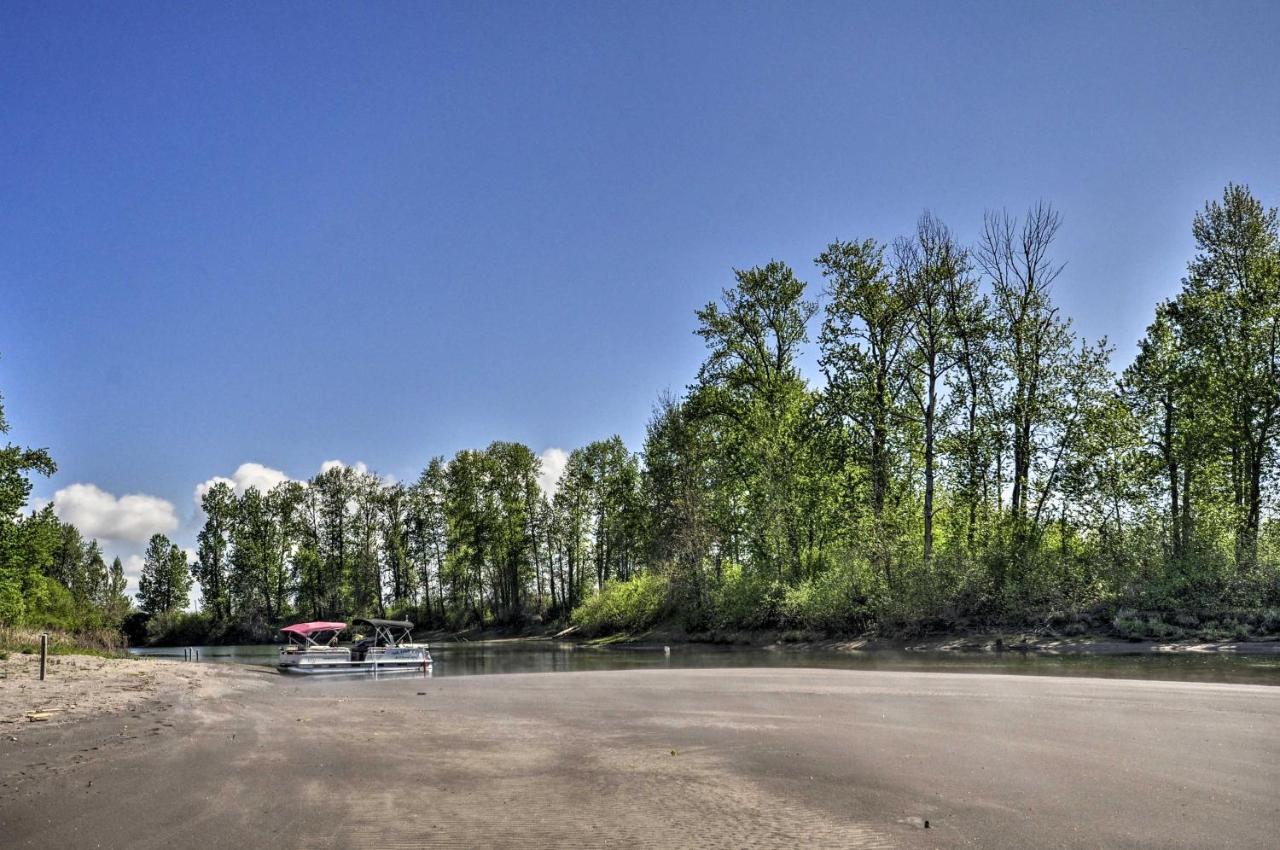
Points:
[[828, 606]]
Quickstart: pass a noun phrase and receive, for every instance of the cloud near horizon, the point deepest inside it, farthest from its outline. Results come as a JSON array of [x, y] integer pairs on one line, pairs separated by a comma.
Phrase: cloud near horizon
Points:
[[359, 466], [263, 478], [96, 513], [247, 475], [132, 570], [553, 463]]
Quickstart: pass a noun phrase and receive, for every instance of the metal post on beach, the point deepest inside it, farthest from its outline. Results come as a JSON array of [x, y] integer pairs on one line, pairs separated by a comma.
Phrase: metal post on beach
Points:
[[44, 652]]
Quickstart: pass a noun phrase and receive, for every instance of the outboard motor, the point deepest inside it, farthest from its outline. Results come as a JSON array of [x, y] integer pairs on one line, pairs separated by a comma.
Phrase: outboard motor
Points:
[[361, 649]]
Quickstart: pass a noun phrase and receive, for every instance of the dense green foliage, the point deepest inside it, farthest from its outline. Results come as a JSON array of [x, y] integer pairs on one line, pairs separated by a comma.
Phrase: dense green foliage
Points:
[[966, 458], [625, 606], [165, 583], [473, 541]]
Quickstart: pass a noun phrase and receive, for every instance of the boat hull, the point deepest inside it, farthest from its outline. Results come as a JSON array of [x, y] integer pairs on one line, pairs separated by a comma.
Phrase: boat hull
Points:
[[350, 667], [394, 660]]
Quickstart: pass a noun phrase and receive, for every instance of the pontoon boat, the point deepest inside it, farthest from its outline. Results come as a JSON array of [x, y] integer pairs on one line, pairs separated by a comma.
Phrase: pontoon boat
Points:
[[313, 648]]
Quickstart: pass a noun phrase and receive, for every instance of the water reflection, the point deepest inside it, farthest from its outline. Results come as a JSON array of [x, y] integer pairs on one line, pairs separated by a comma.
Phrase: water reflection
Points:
[[483, 658]]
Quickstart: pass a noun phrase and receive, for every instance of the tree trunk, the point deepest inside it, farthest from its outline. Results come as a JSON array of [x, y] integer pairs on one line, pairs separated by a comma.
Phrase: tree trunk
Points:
[[929, 415], [1171, 459]]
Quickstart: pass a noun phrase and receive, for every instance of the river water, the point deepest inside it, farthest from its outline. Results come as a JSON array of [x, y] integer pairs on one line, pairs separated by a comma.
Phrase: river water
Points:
[[543, 656]]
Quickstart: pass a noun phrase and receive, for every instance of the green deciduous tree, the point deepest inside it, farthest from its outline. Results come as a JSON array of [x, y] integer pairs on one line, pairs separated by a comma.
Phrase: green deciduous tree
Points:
[[863, 358], [1229, 317], [213, 550], [165, 583]]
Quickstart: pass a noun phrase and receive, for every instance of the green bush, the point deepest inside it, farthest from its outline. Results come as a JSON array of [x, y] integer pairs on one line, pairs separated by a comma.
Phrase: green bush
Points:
[[178, 628], [624, 606], [830, 603], [49, 606], [741, 600], [12, 605]]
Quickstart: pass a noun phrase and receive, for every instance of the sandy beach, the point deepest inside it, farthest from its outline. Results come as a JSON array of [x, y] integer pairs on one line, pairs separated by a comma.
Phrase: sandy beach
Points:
[[84, 686], [178, 754]]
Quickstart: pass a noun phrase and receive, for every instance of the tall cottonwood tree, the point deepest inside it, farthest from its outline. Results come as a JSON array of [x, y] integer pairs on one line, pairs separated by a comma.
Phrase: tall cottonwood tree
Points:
[[1156, 388], [396, 562], [932, 275], [1035, 340], [428, 533], [750, 385], [863, 348], [971, 402], [1229, 316], [679, 530], [115, 602], [165, 583], [213, 550]]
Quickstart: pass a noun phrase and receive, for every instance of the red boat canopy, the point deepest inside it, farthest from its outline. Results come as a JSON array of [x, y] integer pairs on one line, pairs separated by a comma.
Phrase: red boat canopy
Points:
[[312, 628]]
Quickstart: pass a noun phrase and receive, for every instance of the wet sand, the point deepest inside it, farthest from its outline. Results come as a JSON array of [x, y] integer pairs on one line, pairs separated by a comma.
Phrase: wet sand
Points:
[[655, 758]]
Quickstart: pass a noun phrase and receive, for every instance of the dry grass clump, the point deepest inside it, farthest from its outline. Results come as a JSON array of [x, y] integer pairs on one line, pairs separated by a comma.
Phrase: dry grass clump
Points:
[[20, 639]]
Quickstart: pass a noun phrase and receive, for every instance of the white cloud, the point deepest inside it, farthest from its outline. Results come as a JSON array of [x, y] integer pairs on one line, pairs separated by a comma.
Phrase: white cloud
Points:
[[247, 475], [99, 514], [256, 475], [132, 570], [358, 466], [205, 486], [553, 463]]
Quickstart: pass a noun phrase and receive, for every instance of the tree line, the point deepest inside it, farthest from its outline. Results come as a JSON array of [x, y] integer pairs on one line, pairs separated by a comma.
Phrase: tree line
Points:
[[49, 574], [965, 456], [473, 540]]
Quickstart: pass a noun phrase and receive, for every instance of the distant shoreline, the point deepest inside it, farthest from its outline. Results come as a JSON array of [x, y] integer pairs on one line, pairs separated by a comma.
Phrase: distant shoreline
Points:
[[959, 644], [994, 642]]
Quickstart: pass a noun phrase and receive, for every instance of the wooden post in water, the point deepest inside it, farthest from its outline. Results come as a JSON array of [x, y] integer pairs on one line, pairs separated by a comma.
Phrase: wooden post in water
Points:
[[44, 652]]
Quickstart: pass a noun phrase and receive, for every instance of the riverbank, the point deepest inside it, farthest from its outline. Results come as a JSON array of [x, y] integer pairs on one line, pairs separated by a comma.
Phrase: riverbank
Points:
[[1017, 642], [1253, 633]]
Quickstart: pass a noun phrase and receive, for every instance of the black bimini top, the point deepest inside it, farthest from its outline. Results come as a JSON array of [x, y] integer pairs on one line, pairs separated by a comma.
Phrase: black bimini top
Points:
[[386, 624]]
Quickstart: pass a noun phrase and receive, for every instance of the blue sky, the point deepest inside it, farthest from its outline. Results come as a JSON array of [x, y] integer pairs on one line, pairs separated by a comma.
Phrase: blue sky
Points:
[[291, 233]]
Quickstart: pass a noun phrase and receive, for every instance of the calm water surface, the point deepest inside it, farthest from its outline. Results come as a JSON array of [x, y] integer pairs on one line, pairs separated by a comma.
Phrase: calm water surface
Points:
[[480, 658]]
